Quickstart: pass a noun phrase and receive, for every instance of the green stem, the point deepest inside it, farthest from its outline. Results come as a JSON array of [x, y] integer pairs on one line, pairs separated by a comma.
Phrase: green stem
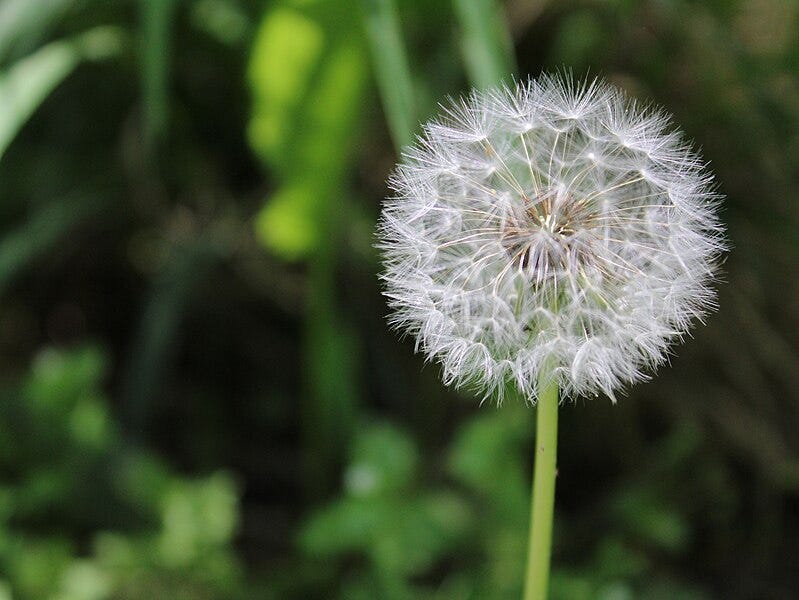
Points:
[[543, 497], [157, 18]]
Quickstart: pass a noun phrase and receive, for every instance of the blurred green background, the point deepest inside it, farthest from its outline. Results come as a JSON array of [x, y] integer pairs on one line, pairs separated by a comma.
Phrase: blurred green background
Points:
[[199, 397]]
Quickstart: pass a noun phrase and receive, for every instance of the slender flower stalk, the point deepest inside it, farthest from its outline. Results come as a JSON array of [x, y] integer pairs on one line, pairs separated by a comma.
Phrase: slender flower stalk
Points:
[[555, 236], [543, 495]]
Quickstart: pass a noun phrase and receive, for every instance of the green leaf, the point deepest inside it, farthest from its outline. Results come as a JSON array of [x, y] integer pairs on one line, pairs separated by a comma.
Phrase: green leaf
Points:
[[287, 223], [36, 565], [307, 73], [285, 56], [90, 424], [651, 521], [347, 525], [84, 580], [59, 379], [197, 516], [614, 560], [28, 82], [402, 536], [487, 456], [422, 532], [384, 461], [22, 21], [570, 585], [143, 481]]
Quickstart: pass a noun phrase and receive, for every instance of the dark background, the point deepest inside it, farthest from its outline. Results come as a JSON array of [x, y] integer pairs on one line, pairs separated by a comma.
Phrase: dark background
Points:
[[199, 397]]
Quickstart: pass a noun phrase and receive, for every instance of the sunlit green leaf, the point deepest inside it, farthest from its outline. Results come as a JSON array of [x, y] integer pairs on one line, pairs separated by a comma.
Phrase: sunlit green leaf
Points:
[[285, 57], [307, 80], [24, 21], [59, 378], [84, 580], [197, 516], [26, 84], [90, 424], [287, 223], [36, 566]]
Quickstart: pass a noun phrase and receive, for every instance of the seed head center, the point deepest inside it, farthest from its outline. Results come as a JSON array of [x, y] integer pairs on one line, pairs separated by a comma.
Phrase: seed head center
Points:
[[540, 238]]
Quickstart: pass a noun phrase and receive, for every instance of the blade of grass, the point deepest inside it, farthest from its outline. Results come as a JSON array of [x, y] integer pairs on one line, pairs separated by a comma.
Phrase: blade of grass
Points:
[[158, 331], [486, 42], [28, 82], [23, 23], [392, 72]]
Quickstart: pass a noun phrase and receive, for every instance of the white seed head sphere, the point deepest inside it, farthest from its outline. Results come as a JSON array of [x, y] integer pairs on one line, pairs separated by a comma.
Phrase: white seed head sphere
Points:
[[554, 223]]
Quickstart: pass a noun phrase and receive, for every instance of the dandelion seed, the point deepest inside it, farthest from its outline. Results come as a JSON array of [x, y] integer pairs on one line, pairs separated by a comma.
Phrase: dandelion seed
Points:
[[555, 223]]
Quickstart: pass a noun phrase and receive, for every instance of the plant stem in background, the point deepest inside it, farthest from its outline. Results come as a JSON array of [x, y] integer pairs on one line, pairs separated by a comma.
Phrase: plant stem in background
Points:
[[391, 68], [156, 54], [486, 42], [543, 497]]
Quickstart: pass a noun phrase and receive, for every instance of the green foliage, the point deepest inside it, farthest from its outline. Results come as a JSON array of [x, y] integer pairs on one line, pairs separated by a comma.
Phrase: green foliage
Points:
[[403, 528], [154, 531], [307, 73]]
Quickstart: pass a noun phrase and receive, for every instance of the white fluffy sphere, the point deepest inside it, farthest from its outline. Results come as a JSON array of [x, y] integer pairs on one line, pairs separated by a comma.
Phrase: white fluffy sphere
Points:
[[553, 223]]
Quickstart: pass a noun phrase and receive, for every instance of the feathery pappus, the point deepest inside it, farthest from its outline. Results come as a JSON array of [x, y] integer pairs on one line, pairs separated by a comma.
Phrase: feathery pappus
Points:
[[553, 223]]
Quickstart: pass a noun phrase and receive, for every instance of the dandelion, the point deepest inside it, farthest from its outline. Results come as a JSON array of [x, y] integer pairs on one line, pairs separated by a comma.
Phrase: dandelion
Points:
[[555, 236], [555, 223]]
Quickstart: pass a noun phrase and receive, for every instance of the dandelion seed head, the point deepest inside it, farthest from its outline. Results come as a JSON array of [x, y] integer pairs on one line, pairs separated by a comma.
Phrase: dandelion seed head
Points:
[[556, 222]]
